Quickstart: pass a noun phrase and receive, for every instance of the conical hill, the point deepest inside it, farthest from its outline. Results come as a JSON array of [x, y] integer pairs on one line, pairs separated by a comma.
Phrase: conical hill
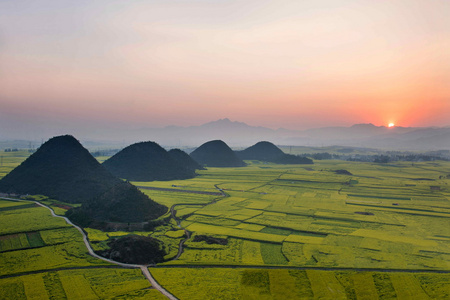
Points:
[[184, 160], [216, 154], [63, 169], [147, 161], [265, 151]]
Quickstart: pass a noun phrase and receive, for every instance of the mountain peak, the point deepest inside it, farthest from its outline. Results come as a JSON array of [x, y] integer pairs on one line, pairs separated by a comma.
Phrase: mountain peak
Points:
[[364, 125], [225, 122]]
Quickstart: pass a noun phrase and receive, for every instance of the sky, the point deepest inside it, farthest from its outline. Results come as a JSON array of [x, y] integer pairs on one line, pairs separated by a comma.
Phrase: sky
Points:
[[87, 66]]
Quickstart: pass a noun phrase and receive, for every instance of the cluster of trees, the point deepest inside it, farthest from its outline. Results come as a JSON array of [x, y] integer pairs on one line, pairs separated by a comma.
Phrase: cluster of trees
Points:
[[378, 158]]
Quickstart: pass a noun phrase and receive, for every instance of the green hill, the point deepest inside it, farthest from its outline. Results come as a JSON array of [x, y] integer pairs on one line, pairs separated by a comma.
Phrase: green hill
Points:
[[147, 161], [184, 160], [64, 170], [266, 151], [216, 154]]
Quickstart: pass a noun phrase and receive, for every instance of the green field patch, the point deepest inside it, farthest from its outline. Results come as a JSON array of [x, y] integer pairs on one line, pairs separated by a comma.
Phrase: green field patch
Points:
[[14, 242], [249, 226], [295, 254], [304, 239], [407, 286], [251, 253], [272, 254], [394, 238], [325, 285], [383, 284], [170, 198], [435, 286], [96, 235], [238, 233], [17, 205], [182, 211], [231, 283], [339, 223], [9, 203], [243, 214], [212, 254], [29, 219], [278, 231], [202, 283], [175, 233], [378, 197], [12, 288], [60, 235], [66, 255], [255, 284], [254, 204], [212, 220], [35, 239], [77, 287], [34, 286], [232, 212], [407, 211]]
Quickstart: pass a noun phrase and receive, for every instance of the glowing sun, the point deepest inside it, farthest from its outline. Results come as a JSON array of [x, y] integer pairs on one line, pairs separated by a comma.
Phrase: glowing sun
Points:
[[391, 125]]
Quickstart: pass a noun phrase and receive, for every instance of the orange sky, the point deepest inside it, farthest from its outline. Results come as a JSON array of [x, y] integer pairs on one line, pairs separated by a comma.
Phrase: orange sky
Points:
[[292, 64]]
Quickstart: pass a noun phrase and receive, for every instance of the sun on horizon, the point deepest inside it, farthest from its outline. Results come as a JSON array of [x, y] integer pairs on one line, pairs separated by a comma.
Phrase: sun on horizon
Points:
[[391, 125]]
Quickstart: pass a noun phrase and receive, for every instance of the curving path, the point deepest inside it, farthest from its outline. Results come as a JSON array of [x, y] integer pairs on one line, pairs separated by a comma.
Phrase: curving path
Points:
[[187, 232], [144, 268]]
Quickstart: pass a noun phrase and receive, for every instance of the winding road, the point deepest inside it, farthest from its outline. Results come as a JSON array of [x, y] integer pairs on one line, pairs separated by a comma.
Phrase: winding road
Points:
[[187, 232], [144, 268]]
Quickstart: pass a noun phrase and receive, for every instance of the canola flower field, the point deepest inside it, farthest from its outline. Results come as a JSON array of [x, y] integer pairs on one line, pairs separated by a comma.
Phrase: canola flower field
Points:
[[293, 232]]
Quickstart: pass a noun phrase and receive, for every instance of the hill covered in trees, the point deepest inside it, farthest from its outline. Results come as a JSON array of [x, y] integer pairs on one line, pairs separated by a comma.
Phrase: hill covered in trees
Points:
[[216, 154], [148, 161], [63, 169], [266, 151], [184, 160], [135, 249]]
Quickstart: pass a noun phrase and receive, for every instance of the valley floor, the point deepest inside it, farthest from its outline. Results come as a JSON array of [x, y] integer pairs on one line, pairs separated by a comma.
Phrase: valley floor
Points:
[[301, 232]]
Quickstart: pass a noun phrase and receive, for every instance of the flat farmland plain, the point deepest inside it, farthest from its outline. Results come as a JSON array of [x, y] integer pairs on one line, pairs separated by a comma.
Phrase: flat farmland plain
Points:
[[384, 216], [291, 232]]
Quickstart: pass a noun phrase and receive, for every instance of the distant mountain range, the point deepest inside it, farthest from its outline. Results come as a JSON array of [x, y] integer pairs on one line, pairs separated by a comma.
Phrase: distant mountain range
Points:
[[242, 135], [239, 134]]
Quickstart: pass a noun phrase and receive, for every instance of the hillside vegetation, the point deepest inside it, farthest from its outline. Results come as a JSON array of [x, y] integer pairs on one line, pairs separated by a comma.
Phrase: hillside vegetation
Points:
[[216, 154], [147, 161], [266, 151], [64, 170]]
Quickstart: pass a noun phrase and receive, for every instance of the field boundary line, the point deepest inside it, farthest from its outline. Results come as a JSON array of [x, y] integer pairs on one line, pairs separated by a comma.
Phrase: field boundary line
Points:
[[303, 268], [147, 274]]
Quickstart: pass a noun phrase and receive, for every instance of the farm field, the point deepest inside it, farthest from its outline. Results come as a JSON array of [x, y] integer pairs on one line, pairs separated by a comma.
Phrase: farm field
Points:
[[242, 283], [384, 216], [42, 257], [290, 232]]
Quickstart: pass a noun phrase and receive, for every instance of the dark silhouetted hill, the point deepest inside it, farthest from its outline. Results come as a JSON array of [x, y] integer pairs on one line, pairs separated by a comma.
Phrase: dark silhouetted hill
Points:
[[265, 151], [121, 203], [216, 154], [184, 160], [64, 170], [147, 161]]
